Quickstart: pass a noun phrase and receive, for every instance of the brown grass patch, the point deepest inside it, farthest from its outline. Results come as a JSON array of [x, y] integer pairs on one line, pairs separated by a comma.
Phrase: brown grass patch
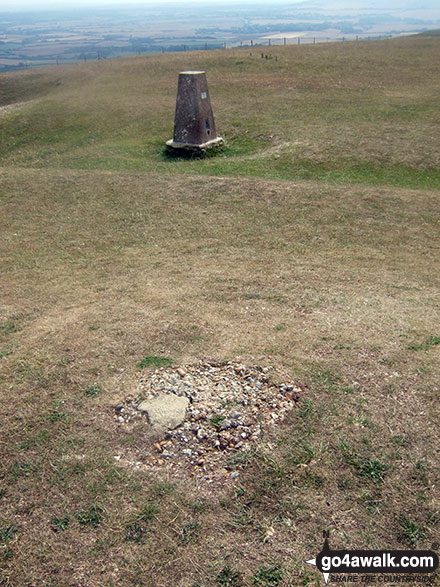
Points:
[[332, 285]]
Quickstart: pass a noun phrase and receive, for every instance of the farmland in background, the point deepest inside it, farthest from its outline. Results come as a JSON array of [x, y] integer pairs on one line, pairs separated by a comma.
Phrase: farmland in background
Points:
[[36, 38]]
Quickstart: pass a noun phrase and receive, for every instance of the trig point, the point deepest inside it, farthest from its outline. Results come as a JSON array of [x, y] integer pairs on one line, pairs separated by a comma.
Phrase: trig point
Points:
[[194, 126]]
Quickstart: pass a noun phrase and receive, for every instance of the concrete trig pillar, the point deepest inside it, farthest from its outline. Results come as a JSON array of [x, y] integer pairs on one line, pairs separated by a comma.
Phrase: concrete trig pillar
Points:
[[194, 126]]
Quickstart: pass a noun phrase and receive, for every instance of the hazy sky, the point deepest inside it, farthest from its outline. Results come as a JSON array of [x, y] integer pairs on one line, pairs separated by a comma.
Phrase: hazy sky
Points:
[[380, 5], [59, 4]]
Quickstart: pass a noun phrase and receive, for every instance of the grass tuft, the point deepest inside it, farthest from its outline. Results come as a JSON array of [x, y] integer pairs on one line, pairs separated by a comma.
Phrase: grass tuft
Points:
[[430, 342], [268, 576], [370, 469], [91, 517], [7, 533], [412, 533], [93, 390], [9, 327], [229, 576], [154, 361], [135, 532], [60, 524]]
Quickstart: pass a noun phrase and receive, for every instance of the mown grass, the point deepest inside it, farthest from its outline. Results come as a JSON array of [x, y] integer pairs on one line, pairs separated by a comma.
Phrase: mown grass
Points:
[[109, 271]]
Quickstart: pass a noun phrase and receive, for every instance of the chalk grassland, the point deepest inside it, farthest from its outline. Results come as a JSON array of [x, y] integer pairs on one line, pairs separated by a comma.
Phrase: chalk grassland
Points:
[[355, 112], [311, 244]]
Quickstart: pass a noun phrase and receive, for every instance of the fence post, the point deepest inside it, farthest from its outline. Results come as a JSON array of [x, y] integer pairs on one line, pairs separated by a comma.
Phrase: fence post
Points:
[[285, 41]]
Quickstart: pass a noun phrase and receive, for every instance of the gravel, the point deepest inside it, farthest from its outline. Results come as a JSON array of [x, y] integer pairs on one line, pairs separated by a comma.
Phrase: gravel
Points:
[[230, 407]]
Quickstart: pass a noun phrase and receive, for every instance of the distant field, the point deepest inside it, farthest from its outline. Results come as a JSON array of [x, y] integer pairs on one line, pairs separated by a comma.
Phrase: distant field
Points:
[[310, 244], [434, 33]]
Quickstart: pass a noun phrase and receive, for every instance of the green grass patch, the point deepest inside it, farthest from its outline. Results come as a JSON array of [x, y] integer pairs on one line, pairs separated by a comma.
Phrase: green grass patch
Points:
[[137, 530], [425, 346], [91, 517], [93, 390], [148, 512], [9, 327], [229, 576], [412, 533], [189, 531], [7, 533], [368, 468], [267, 576], [154, 361], [60, 524], [21, 469], [217, 421]]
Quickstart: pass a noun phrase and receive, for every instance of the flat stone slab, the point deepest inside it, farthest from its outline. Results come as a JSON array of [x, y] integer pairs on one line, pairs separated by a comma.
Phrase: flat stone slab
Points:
[[173, 146], [166, 411]]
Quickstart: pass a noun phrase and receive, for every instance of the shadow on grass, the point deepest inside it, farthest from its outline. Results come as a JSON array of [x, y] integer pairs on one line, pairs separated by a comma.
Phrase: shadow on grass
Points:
[[170, 154]]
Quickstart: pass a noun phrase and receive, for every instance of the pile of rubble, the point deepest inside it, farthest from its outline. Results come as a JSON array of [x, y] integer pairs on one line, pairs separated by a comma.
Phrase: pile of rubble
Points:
[[207, 409]]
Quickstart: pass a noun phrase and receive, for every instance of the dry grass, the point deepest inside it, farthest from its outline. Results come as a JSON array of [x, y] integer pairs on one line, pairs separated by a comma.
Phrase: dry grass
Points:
[[334, 285]]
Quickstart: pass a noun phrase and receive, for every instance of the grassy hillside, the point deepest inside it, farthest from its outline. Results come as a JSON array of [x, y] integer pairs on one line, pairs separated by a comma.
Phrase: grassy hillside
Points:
[[348, 112], [309, 245], [433, 33]]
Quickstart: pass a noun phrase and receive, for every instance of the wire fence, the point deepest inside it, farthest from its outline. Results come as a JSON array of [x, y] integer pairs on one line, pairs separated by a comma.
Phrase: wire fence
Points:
[[291, 40], [268, 42], [138, 47]]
